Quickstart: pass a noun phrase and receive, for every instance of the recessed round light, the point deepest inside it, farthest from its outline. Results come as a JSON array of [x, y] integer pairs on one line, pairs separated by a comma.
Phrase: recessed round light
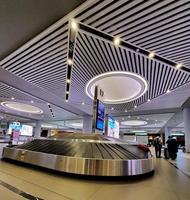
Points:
[[168, 91], [83, 103], [134, 123], [179, 65], [68, 81], [151, 55], [74, 24], [12, 98], [31, 101], [116, 41], [69, 62], [118, 87], [21, 107]]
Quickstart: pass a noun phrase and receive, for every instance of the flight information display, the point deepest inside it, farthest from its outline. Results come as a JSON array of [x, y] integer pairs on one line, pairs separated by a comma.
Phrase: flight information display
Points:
[[100, 116]]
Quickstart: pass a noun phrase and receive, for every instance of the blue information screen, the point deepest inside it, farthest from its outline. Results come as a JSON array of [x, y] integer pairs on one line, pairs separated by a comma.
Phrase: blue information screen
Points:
[[100, 116]]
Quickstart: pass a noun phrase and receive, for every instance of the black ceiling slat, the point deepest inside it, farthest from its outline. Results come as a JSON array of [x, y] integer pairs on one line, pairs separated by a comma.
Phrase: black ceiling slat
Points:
[[87, 55], [120, 14], [38, 59], [60, 70], [170, 73], [123, 65], [144, 22], [118, 57], [165, 46], [96, 57], [60, 27], [83, 67], [161, 77], [151, 77], [44, 69], [175, 50], [105, 54], [161, 26], [24, 59], [57, 77], [165, 72], [157, 79], [90, 53], [180, 75], [107, 49], [102, 56], [152, 41], [89, 8], [40, 67]]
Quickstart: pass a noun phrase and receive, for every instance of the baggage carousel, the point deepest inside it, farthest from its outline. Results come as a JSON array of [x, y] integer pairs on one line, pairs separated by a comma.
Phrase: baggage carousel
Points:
[[84, 154]]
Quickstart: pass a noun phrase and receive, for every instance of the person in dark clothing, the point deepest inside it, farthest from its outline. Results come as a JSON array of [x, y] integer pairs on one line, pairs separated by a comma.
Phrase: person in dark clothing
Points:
[[158, 146], [172, 147]]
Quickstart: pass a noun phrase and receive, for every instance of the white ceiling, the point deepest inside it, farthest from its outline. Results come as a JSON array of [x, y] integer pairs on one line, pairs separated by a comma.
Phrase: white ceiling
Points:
[[143, 26]]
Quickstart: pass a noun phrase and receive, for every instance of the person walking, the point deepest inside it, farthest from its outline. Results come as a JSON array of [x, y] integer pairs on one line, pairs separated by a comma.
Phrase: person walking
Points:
[[158, 146], [172, 147]]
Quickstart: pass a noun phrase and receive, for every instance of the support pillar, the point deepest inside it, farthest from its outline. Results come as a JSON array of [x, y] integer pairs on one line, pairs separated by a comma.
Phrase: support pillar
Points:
[[167, 133], [37, 130], [186, 119], [87, 124]]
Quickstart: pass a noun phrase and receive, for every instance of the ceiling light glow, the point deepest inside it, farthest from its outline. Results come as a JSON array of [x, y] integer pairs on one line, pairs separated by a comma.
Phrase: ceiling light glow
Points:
[[110, 83], [134, 123], [116, 41], [21, 107], [151, 55], [179, 65], [74, 25], [168, 91], [69, 62]]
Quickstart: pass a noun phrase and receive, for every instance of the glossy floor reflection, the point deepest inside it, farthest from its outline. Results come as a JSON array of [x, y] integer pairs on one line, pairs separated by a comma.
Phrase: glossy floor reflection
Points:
[[168, 183]]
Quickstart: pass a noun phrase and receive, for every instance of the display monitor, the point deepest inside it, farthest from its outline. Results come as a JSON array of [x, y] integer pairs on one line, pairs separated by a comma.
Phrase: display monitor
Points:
[[113, 128], [100, 116], [26, 130]]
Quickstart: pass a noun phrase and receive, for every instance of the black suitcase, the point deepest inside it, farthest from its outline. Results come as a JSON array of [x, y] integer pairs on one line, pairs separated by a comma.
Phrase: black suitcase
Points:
[[166, 153]]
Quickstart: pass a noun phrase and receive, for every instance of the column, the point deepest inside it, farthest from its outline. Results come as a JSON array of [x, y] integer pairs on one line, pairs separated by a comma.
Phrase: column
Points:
[[87, 124], [186, 119], [167, 133], [37, 130]]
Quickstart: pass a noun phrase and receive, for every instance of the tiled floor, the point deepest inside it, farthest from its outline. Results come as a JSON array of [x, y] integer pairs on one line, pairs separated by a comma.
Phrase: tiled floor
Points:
[[168, 183]]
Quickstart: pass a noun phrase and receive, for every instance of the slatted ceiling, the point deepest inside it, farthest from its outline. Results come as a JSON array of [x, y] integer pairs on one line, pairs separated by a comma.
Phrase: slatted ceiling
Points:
[[144, 34], [94, 56], [43, 62], [44, 71], [160, 26], [180, 52], [134, 23], [153, 25], [8, 92]]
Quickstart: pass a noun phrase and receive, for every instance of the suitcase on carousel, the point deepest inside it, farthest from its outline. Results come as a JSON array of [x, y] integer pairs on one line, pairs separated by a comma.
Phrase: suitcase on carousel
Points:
[[166, 153]]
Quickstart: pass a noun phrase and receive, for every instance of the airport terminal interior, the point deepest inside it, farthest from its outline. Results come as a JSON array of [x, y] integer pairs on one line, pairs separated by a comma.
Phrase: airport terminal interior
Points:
[[94, 99]]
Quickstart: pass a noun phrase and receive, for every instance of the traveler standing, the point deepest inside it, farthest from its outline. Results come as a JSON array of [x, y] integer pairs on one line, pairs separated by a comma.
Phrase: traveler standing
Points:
[[172, 147], [158, 146]]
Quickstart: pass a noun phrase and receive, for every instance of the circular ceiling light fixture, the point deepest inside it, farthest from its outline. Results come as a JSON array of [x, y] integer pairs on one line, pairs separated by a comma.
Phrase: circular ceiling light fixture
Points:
[[118, 86], [21, 107], [134, 123]]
